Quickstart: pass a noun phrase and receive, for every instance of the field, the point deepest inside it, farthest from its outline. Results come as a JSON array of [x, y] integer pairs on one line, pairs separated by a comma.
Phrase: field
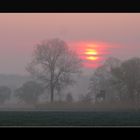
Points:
[[69, 118]]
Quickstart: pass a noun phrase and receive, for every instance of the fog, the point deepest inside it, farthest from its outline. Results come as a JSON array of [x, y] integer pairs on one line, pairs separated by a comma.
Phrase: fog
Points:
[[45, 59]]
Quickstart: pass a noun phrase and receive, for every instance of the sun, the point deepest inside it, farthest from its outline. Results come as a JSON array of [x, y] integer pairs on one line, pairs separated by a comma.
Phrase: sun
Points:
[[92, 58], [91, 53]]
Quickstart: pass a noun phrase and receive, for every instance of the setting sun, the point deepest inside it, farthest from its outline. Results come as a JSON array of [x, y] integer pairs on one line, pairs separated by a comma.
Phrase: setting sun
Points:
[[91, 52], [92, 57]]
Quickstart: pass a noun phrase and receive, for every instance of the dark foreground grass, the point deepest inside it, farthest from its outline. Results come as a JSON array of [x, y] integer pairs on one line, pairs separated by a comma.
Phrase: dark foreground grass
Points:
[[44, 118]]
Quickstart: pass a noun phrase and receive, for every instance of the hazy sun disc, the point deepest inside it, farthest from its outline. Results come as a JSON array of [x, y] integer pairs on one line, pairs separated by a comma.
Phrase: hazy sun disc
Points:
[[91, 52], [91, 57]]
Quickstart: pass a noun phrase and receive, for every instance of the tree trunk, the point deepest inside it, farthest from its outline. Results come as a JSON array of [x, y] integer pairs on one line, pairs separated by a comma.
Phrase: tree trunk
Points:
[[52, 94], [52, 85]]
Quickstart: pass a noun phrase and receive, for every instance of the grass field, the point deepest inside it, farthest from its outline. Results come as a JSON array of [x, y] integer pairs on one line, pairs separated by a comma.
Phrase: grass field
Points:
[[44, 118]]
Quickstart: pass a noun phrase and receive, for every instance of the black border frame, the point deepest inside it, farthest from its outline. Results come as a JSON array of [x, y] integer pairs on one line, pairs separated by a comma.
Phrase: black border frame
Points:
[[69, 6], [60, 6]]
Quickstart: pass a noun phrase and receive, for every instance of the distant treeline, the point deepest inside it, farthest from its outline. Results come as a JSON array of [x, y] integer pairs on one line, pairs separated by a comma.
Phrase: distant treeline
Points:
[[54, 67]]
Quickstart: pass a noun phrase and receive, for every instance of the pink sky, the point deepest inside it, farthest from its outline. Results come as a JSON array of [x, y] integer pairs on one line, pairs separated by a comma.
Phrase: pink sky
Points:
[[20, 32]]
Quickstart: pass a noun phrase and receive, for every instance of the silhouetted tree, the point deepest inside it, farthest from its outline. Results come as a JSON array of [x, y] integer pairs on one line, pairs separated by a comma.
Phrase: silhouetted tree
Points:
[[29, 92], [69, 98], [102, 79], [54, 64], [128, 74], [5, 93]]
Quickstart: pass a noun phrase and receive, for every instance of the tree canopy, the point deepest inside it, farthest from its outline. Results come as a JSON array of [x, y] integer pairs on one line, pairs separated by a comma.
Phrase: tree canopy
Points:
[[54, 64]]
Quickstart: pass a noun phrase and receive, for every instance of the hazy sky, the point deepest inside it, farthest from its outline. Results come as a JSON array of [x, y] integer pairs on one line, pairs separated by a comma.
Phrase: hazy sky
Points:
[[111, 34]]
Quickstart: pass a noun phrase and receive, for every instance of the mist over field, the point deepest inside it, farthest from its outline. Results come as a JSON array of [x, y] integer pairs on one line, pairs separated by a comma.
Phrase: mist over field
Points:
[[65, 69]]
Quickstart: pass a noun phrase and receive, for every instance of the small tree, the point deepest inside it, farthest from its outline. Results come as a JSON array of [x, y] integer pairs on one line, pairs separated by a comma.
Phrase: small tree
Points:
[[69, 98], [5, 93], [54, 64], [29, 92]]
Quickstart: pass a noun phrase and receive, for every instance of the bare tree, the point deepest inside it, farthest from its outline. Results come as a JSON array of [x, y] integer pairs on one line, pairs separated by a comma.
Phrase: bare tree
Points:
[[129, 75], [29, 92], [5, 93], [102, 79], [69, 98], [54, 64]]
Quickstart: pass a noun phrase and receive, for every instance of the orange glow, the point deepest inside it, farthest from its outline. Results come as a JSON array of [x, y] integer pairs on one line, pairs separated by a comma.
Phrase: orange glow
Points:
[[91, 52], [92, 57], [91, 45]]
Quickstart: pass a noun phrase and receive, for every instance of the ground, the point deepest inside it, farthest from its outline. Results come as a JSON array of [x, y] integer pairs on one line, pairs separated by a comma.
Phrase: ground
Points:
[[70, 118]]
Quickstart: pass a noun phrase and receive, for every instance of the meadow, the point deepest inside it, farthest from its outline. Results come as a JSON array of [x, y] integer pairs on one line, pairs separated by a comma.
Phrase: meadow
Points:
[[70, 118]]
